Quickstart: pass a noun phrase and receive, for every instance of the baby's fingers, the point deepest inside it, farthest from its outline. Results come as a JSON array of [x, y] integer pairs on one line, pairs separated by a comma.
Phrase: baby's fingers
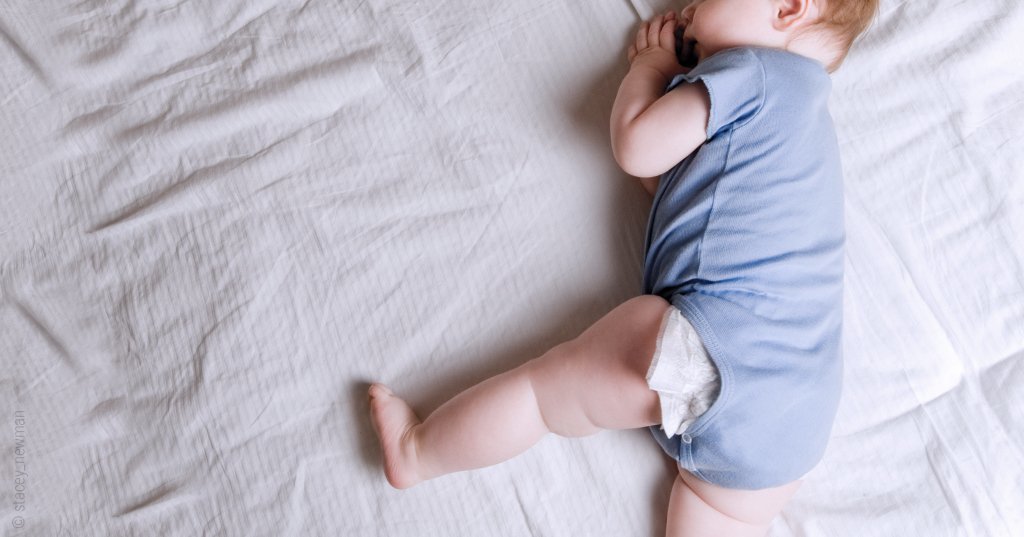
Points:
[[654, 30], [667, 38], [641, 36]]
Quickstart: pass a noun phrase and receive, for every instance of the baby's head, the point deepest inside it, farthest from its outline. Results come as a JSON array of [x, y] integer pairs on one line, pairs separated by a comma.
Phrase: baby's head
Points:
[[820, 29]]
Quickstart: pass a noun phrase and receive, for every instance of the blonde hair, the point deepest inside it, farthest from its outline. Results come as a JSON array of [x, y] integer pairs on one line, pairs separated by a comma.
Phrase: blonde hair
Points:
[[845, 20]]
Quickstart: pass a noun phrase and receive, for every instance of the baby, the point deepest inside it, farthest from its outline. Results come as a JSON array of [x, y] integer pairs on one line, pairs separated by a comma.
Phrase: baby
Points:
[[732, 356]]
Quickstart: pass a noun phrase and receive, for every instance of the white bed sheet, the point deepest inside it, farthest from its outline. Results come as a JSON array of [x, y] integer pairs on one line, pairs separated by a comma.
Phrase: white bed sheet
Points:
[[220, 219]]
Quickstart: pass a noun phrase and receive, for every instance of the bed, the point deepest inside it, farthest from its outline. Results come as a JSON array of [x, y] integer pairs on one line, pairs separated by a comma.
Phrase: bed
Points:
[[220, 220]]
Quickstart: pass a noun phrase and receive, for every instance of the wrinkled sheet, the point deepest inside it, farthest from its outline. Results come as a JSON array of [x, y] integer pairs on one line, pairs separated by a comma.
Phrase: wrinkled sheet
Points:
[[219, 220]]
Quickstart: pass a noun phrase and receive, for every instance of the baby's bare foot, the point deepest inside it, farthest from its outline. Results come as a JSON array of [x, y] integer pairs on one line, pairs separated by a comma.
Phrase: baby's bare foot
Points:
[[394, 421]]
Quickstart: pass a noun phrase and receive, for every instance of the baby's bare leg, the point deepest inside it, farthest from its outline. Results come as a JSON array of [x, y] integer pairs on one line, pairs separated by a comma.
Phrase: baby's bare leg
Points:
[[596, 381], [700, 509]]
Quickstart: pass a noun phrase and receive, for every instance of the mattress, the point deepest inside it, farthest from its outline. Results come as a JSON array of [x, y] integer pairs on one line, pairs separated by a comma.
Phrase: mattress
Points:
[[220, 220]]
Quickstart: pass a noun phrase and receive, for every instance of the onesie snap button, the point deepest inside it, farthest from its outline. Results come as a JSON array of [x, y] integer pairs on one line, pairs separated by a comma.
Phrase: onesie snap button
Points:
[[687, 438]]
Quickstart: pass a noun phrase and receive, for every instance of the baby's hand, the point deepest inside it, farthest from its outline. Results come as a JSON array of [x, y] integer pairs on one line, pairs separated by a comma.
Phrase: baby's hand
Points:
[[655, 46]]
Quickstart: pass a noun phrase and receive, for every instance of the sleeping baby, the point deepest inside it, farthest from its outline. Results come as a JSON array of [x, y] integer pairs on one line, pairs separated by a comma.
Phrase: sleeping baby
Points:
[[732, 356]]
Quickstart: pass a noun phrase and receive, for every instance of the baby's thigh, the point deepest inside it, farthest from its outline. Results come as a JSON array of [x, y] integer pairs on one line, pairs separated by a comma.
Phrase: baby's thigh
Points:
[[626, 337], [699, 508], [598, 380]]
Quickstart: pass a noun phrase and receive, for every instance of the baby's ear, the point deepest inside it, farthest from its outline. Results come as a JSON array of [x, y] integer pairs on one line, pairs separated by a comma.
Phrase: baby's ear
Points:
[[788, 14]]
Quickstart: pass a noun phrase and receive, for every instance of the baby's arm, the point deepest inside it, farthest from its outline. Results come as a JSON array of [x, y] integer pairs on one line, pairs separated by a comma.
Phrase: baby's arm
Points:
[[652, 130]]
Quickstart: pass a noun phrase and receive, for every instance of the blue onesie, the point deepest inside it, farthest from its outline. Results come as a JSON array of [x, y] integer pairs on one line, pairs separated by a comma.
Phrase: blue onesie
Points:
[[746, 238]]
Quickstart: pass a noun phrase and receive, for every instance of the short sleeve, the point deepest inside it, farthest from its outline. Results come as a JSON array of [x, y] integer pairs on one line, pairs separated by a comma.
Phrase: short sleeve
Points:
[[734, 79]]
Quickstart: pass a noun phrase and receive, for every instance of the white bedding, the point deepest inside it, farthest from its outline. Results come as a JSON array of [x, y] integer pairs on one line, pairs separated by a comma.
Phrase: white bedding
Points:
[[220, 219]]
